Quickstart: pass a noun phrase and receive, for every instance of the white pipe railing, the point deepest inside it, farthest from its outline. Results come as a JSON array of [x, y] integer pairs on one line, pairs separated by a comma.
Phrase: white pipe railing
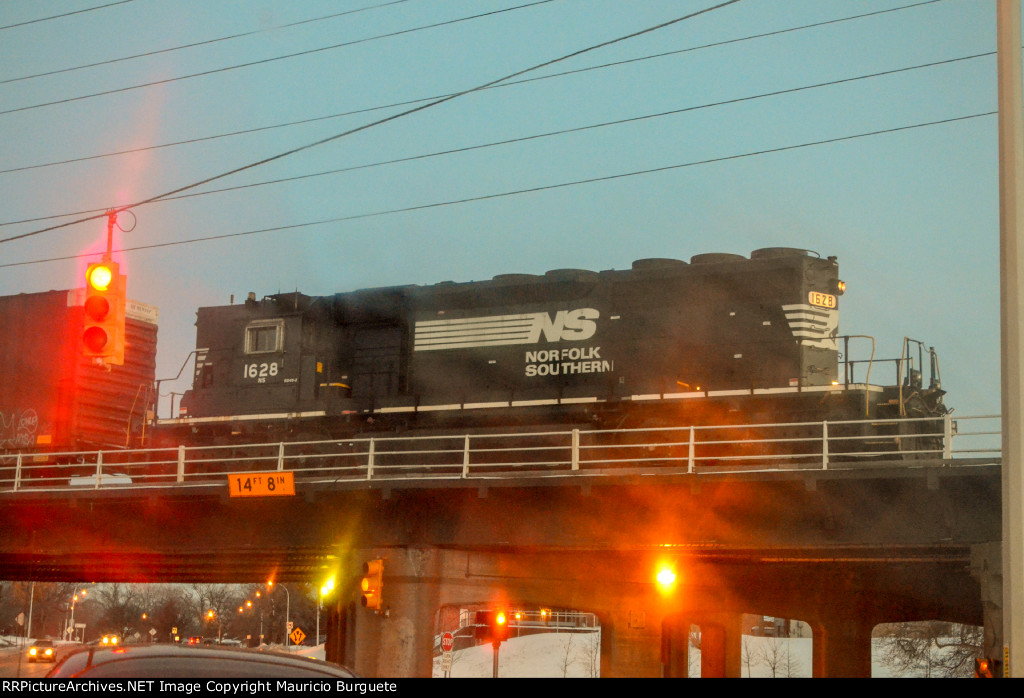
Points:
[[694, 449]]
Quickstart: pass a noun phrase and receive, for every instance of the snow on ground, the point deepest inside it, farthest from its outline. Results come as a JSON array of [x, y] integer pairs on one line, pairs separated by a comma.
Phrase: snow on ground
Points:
[[556, 655], [301, 650], [547, 655]]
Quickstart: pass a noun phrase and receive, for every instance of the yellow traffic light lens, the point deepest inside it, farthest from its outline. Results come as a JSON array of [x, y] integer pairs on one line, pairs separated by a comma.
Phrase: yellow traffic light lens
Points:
[[501, 620], [99, 277]]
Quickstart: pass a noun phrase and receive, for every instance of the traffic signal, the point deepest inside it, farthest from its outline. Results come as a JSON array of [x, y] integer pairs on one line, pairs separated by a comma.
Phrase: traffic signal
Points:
[[103, 331], [373, 584], [492, 626], [499, 627], [985, 668]]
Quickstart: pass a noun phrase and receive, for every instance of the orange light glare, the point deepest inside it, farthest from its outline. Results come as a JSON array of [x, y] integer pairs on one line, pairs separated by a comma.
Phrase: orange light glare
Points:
[[501, 619], [666, 577]]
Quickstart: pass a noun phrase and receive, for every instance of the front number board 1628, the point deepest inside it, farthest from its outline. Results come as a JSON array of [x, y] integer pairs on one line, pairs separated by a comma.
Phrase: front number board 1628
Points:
[[269, 484]]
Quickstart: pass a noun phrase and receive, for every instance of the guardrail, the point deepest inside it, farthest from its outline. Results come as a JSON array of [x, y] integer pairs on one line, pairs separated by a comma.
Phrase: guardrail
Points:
[[466, 457]]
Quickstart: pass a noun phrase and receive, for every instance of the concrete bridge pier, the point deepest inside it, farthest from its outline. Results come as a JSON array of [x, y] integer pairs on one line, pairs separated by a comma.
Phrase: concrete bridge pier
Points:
[[396, 640], [719, 638], [987, 569], [842, 646]]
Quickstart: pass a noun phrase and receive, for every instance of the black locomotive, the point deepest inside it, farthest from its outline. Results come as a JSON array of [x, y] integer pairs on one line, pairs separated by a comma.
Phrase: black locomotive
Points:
[[721, 339]]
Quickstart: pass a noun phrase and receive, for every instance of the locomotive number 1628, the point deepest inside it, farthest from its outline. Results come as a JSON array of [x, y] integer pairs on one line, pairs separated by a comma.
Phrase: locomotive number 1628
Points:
[[261, 371]]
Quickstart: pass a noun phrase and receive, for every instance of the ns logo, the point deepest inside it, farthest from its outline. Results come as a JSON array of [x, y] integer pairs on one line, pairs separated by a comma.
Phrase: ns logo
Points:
[[573, 325]]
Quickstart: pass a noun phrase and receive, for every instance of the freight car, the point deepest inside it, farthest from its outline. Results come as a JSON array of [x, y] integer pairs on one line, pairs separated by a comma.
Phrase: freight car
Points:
[[721, 339], [54, 400]]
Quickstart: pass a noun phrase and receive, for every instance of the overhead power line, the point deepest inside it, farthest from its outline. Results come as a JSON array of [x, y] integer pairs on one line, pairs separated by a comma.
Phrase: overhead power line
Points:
[[157, 52], [518, 192], [509, 83], [264, 61], [66, 14], [384, 120], [522, 139]]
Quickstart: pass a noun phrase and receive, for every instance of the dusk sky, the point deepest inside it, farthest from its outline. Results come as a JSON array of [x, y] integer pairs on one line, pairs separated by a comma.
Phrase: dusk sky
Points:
[[863, 129]]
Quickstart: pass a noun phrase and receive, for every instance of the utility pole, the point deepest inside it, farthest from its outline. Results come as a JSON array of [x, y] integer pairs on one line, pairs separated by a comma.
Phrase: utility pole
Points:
[[31, 604], [1011, 262]]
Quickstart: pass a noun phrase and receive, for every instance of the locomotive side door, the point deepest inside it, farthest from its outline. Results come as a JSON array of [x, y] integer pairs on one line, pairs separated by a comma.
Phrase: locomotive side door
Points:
[[376, 362]]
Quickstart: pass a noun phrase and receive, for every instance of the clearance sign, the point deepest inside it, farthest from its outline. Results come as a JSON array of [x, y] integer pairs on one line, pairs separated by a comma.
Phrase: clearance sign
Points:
[[270, 484]]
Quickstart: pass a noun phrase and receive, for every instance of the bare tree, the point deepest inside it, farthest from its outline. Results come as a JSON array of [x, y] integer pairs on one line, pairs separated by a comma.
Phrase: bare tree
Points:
[[773, 653], [215, 606], [750, 655], [931, 648], [122, 613], [777, 656], [792, 668], [169, 614], [48, 602], [567, 659], [591, 653]]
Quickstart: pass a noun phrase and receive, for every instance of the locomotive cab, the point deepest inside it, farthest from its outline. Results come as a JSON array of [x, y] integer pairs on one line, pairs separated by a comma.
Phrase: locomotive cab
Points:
[[254, 358]]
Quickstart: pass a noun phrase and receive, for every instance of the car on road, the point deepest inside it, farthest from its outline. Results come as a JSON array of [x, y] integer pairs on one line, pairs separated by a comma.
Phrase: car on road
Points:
[[42, 651], [184, 661]]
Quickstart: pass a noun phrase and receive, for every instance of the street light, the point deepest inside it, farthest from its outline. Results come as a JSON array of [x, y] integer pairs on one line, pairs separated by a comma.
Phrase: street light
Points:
[[210, 615], [70, 629], [326, 589], [248, 605], [287, 610]]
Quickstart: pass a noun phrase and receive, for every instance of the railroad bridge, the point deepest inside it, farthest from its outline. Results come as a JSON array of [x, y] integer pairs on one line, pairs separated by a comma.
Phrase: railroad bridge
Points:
[[817, 522]]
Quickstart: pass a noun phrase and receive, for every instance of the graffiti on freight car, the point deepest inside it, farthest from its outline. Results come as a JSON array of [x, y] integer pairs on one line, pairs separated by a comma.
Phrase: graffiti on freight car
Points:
[[18, 428]]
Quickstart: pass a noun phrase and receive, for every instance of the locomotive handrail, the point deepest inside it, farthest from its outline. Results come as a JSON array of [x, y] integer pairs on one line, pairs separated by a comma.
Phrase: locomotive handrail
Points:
[[690, 449]]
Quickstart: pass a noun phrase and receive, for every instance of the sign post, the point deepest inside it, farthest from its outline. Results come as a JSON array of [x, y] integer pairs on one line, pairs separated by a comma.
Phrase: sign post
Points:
[[447, 645]]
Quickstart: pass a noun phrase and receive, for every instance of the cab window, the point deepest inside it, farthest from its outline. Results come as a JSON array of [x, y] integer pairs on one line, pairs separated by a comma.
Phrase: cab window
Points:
[[264, 336]]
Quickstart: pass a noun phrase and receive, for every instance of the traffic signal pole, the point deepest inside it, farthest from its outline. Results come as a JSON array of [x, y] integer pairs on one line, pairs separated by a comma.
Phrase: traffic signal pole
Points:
[[111, 221]]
